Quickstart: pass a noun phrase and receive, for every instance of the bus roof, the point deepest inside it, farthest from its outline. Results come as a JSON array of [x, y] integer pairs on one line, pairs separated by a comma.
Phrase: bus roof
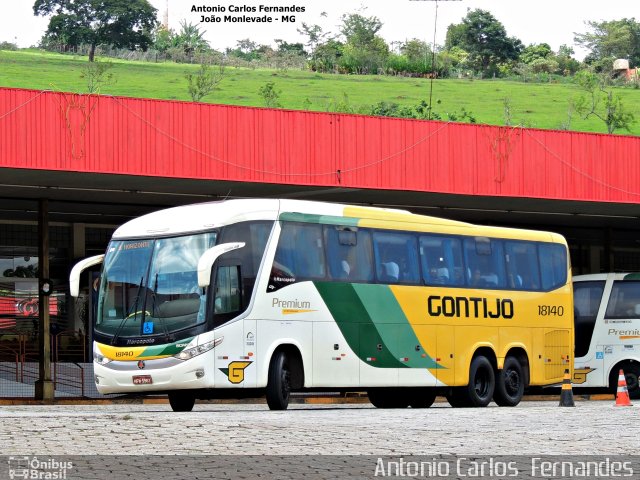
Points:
[[207, 216]]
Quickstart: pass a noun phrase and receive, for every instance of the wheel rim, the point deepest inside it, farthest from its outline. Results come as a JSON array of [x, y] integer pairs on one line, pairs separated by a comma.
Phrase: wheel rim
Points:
[[512, 382], [482, 383]]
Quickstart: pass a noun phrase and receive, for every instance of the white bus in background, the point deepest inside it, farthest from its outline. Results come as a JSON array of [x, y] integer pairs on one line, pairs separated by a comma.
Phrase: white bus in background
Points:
[[607, 330]]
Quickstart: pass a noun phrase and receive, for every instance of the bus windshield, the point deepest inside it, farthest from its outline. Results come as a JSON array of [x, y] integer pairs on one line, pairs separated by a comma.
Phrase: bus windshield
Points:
[[150, 287]]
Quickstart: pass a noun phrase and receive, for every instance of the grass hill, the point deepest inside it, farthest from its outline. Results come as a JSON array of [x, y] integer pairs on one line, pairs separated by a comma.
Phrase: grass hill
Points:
[[538, 105]]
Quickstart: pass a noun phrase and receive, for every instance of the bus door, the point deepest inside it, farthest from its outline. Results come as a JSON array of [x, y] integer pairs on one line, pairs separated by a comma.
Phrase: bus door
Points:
[[232, 362]]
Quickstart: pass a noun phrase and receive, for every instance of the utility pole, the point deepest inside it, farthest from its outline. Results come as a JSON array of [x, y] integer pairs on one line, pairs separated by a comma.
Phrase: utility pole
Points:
[[433, 49], [44, 388]]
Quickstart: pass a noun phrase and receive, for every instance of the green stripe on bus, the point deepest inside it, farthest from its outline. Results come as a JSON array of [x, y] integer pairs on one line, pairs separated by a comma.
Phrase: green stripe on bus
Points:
[[323, 219], [170, 349], [383, 331], [389, 318]]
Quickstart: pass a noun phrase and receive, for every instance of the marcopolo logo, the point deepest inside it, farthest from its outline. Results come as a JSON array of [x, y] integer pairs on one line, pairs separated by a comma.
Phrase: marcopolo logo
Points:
[[35, 468]]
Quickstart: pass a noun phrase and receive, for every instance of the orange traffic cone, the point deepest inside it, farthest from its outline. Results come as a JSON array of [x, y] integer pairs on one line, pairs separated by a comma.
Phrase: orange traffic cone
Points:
[[566, 394], [622, 396]]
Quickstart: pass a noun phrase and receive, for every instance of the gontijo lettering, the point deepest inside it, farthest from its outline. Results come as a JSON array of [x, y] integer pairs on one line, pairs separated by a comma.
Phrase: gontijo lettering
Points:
[[476, 307]]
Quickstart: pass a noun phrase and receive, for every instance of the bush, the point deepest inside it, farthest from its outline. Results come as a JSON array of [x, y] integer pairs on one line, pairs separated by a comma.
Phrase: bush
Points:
[[8, 46]]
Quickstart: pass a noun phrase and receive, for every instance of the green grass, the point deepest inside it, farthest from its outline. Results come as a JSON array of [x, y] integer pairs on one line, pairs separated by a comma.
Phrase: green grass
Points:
[[532, 104]]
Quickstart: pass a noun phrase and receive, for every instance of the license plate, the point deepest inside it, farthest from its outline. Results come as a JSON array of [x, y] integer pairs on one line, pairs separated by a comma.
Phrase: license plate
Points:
[[142, 380]]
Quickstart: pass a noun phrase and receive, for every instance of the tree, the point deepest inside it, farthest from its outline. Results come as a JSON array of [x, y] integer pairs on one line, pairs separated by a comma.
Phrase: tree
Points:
[[364, 51], [485, 39], [601, 102], [315, 36], [204, 81], [535, 52], [613, 39], [119, 23], [191, 39]]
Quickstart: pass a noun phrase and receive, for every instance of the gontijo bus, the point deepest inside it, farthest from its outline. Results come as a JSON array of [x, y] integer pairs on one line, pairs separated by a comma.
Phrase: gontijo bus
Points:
[[247, 297]]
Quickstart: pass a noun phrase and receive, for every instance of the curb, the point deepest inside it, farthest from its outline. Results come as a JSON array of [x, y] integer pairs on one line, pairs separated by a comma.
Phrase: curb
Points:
[[310, 400]]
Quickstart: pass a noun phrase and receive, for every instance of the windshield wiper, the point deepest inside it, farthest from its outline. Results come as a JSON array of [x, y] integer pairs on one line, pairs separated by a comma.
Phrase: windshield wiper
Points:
[[129, 312]]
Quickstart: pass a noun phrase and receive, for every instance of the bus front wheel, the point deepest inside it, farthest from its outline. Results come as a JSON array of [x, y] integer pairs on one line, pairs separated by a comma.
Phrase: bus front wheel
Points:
[[279, 382], [631, 376], [509, 383], [388, 397], [182, 400], [422, 397]]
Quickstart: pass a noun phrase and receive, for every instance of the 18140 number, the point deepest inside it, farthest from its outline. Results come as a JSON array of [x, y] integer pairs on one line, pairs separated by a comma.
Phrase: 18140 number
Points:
[[551, 310]]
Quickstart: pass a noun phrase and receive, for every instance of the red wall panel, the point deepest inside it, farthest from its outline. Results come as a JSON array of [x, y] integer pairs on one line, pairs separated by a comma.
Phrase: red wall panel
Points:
[[103, 134]]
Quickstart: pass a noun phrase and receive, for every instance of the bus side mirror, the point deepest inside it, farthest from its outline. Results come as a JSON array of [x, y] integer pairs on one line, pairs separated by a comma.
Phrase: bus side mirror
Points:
[[209, 257], [78, 268]]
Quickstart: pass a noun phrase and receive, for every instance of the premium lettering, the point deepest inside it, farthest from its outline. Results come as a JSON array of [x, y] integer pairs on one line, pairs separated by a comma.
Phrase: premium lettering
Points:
[[469, 307]]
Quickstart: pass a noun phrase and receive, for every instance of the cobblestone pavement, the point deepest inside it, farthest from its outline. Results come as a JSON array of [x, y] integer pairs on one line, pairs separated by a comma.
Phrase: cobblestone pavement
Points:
[[532, 428]]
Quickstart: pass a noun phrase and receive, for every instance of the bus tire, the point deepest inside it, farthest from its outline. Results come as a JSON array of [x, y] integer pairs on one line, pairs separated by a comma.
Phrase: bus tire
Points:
[[479, 391], [509, 383], [631, 375], [458, 398], [182, 400], [422, 397], [388, 398], [279, 382]]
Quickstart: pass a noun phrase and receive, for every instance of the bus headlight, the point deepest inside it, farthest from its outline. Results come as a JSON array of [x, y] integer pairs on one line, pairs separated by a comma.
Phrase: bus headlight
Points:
[[199, 350], [100, 359]]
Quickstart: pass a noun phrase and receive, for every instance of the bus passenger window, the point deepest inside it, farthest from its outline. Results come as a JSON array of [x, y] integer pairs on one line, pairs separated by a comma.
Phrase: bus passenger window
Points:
[[396, 252], [300, 254], [441, 259], [349, 253], [523, 272], [486, 262], [553, 265]]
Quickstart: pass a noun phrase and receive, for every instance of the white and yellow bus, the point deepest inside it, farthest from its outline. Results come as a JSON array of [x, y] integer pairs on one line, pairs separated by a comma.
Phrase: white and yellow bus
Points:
[[246, 297]]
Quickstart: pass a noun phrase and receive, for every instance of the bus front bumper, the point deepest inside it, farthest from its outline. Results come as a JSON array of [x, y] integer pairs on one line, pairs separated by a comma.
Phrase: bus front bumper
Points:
[[154, 375]]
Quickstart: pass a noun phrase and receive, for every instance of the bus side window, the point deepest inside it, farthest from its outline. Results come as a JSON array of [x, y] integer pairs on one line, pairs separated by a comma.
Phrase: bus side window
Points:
[[553, 265], [441, 259], [624, 301], [300, 252], [523, 272], [587, 297], [396, 257], [228, 298], [485, 260], [349, 253]]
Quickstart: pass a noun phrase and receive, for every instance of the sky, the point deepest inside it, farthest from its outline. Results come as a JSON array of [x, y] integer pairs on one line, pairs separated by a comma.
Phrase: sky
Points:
[[550, 21]]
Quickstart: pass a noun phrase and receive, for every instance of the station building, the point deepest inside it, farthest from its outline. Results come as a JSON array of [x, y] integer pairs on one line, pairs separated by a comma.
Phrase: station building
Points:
[[73, 167]]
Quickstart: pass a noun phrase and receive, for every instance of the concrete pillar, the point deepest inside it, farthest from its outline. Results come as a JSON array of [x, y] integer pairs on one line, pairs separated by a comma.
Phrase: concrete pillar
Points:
[[79, 251], [44, 384]]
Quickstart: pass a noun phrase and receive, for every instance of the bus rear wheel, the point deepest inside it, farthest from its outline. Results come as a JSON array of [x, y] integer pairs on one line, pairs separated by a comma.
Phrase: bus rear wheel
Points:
[[509, 383], [279, 382], [479, 391], [182, 400]]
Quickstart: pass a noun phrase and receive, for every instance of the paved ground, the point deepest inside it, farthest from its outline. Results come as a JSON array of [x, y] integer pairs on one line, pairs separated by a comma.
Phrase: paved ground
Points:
[[532, 428]]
